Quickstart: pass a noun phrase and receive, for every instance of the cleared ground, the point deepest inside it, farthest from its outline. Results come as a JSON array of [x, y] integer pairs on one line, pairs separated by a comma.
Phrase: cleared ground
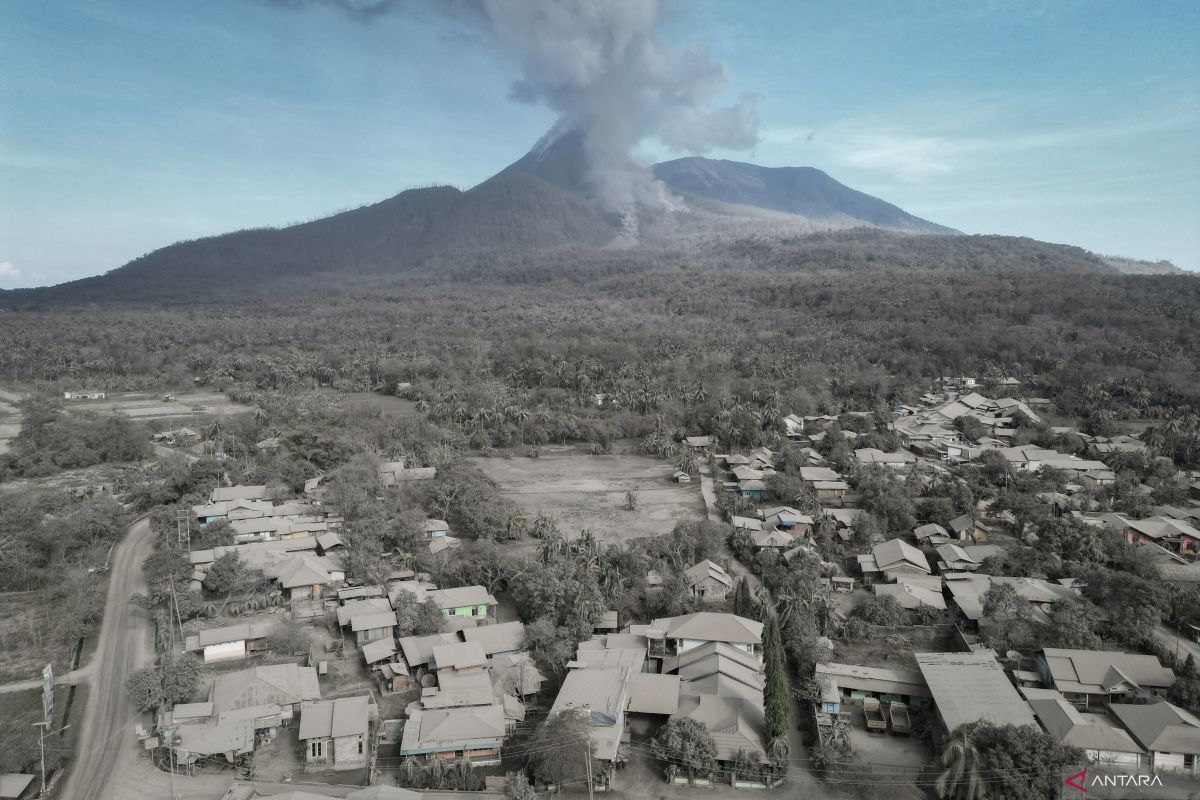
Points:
[[586, 492], [10, 418], [25, 644], [188, 408]]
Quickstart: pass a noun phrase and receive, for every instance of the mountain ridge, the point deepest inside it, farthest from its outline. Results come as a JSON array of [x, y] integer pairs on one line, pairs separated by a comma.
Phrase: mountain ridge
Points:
[[537, 204]]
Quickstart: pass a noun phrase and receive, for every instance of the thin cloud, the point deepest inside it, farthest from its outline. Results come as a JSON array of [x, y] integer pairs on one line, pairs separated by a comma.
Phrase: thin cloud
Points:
[[9, 273]]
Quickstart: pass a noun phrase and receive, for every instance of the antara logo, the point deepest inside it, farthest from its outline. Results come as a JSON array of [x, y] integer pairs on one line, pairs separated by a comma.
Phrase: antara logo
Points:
[[1079, 781]]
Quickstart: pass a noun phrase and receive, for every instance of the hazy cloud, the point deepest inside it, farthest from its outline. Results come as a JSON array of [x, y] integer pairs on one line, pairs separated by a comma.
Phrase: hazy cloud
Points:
[[9, 274], [605, 68]]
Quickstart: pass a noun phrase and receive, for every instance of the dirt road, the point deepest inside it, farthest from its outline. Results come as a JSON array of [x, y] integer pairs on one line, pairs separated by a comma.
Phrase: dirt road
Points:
[[125, 645]]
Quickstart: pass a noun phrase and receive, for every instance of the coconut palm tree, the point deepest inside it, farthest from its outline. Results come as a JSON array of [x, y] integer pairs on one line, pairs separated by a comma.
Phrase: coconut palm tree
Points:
[[960, 778]]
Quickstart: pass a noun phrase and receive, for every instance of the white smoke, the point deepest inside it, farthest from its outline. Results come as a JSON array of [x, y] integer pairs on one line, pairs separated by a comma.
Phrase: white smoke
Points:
[[606, 69]]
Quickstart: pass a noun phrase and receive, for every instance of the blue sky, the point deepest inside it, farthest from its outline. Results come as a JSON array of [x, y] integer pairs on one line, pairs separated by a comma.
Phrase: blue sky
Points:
[[125, 126]]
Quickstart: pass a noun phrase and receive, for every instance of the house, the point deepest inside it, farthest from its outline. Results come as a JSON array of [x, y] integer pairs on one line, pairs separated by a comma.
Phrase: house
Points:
[[1168, 733], [885, 683], [268, 695], [225, 494], [231, 642], [752, 489], [474, 734], [304, 576], [227, 739], [891, 558], [899, 459], [967, 528], [699, 442], [1093, 677], [600, 696], [670, 636], [376, 626], [418, 650], [507, 638], [1095, 734], [783, 518], [679, 476], [459, 657], [776, 540], [472, 602], [913, 591], [932, 533], [972, 687], [335, 733], [952, 557], [382, 656], [85, 394], [435, 528], [708, 581], [394, 472], [1176, 535], [15, 785], [967, 591]]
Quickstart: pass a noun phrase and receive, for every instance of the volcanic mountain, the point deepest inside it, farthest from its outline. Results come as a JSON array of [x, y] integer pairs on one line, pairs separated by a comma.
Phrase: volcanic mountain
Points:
[[540, 203]]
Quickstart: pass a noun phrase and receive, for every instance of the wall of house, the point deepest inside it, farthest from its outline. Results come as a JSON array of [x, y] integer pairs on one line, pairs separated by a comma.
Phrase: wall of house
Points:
[[227, 651], [349, 752], [1113, 758], [465, 611], [318, 751], [683, 645], [1173, 761]]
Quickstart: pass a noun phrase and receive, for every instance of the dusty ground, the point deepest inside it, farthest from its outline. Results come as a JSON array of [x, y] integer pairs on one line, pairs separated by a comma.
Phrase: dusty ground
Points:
[[877, 652], [588, 492], [188, 408], [24, 649], [10, 418]]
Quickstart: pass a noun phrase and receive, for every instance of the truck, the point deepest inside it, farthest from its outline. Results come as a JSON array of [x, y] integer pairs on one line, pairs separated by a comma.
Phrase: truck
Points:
[[874, 714], [900, 722]]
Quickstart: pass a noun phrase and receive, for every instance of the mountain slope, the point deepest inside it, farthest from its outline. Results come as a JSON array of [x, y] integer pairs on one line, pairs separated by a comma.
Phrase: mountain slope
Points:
[[803, 191], [514, 213]]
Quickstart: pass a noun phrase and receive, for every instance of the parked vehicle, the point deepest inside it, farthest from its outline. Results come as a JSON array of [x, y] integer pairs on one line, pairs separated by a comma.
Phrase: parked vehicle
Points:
[[874, 714], [900, 721]]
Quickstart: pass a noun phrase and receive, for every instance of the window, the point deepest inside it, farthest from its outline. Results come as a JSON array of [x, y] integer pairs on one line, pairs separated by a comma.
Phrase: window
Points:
[[360, 746], [474, 612], [317, 749]]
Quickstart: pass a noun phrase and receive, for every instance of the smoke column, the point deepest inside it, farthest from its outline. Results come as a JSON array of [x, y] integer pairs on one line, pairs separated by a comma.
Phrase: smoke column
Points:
[[605, 68]]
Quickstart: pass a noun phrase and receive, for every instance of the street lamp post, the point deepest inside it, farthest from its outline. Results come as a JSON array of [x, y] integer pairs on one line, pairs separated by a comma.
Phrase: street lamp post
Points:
[[42, 747]]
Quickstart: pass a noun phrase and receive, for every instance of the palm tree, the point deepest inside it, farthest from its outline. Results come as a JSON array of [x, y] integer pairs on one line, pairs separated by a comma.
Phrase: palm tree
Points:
[[960, 779]]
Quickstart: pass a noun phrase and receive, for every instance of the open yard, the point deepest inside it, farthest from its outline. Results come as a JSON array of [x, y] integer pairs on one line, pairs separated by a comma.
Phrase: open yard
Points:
[[10, 418], [26, 644], [583, 491], [894, 648], [188, 408]]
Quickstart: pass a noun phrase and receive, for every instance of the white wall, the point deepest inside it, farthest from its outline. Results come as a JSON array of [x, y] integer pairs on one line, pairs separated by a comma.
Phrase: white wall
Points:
[[225, 652]]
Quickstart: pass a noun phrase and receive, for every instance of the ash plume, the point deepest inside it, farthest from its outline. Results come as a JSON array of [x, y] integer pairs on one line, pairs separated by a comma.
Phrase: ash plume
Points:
[[607, 71]]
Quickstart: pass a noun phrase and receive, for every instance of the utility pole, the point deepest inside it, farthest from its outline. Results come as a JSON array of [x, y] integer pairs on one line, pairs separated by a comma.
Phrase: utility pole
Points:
[[588, 759], [42, 747]]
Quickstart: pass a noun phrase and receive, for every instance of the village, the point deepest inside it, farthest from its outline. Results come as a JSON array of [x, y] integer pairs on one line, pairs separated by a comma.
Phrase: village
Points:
[[851, 598]]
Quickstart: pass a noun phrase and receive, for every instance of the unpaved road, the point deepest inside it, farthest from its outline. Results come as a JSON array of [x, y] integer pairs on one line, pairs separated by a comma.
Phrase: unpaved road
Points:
[[125, 645]]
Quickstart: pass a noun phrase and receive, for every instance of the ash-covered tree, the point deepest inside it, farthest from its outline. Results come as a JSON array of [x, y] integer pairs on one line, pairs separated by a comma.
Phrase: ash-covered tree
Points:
[[229, 575], [685, 745], [166, 685], [559, 750], [1073, 626], [1011, 615], [417, 619], [551, 645]]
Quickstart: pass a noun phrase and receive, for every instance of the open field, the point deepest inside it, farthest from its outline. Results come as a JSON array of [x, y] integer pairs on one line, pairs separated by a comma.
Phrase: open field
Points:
[[25, 643], [10, 418], [588, 492], [186, 408]]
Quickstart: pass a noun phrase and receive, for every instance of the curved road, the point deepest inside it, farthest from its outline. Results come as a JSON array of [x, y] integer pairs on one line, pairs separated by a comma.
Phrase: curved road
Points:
[[125, 645]]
